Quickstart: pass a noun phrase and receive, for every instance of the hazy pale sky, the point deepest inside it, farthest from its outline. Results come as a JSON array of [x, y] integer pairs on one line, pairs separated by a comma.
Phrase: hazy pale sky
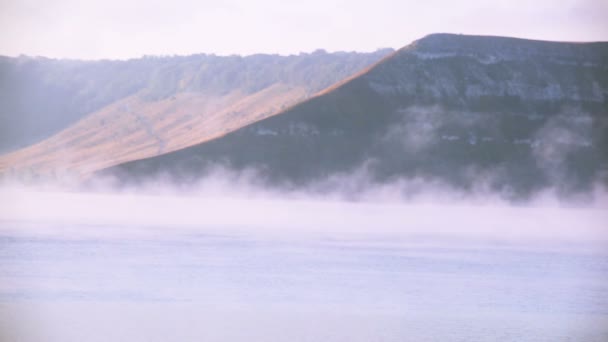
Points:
[[128, 28]]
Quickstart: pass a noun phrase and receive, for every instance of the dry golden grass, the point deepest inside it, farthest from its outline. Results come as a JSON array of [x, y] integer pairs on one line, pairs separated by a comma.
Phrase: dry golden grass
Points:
[[133, 128]]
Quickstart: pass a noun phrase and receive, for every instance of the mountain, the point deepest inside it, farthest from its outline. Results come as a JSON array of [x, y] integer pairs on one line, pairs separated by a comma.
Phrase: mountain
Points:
[[82, 116], [512, 115]]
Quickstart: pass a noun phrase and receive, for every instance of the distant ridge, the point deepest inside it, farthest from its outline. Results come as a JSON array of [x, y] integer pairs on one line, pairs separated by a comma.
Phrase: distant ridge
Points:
[[438, 42]]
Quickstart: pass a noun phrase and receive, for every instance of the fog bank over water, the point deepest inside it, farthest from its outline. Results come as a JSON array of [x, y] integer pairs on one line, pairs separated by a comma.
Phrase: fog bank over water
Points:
[[229, 261], [237, 204]]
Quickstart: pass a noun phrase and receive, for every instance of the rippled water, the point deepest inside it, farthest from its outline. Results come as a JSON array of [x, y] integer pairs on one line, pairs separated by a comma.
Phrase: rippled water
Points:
[[112, 282]]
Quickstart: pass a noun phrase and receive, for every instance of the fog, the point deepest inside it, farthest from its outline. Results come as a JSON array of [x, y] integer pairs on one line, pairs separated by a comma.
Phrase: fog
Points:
[[226, 260], [217, 206]]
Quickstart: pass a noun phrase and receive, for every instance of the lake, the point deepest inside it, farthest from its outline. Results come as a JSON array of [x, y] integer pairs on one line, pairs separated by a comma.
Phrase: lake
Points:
[[143, 268]]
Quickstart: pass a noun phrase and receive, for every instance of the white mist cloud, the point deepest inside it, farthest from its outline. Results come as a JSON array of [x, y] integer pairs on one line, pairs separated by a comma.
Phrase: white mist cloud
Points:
[[561, 136], [222, 203]]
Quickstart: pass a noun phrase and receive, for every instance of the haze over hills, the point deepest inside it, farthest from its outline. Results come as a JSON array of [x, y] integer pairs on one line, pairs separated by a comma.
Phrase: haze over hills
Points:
[[84, 116], [515, 116]]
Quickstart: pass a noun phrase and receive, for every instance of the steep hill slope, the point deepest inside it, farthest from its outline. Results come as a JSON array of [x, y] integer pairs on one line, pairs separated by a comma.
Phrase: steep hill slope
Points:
[[117, 111], [40, 96], [510, 114]]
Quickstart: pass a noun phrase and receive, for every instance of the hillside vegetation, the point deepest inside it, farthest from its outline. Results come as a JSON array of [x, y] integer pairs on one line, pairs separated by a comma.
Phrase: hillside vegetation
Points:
[[510, 115], [82, 116]]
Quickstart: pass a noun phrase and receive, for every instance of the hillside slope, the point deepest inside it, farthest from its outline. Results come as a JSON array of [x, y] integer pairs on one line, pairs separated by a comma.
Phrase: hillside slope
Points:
[[512, 115], [117, 111], [41, 96]]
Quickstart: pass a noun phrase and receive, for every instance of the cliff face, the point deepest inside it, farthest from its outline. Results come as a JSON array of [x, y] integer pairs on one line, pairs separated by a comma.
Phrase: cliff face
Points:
[[514, 115], [468, 70], [506, 48]]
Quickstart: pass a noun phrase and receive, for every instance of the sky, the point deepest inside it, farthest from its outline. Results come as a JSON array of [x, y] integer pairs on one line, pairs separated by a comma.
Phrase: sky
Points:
[[120, 29]]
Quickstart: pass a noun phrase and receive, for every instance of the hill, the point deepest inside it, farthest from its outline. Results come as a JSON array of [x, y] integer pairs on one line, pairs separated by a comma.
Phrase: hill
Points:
[[82, 116], [513, 115]]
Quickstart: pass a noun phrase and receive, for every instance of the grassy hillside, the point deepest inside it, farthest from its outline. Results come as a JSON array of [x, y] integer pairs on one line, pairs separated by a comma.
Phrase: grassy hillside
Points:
[[98, 114], [513, 115]]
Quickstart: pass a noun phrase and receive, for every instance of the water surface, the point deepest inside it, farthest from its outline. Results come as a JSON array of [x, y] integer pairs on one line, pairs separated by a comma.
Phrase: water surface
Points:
[[418, 274]]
